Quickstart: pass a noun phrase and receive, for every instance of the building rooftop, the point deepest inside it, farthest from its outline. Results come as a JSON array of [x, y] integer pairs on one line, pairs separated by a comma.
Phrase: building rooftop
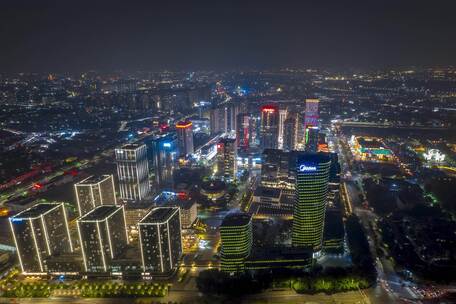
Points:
[[36, 210], [100, 213], [159, 215], [131, 146], [94, 179], [236, 219]]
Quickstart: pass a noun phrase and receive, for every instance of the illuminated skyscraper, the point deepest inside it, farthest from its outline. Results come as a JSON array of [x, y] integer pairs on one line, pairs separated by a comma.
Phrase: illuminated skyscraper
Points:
[[95, 191], [282, 118], [244, 129], [164, 153], [160, 240], [103, 237], [39, 232], [133, 171], [311, 139], [227, 158], [311, 193], [236, 236], [311, 116], [185, 137], [290, 134], [269, 127]]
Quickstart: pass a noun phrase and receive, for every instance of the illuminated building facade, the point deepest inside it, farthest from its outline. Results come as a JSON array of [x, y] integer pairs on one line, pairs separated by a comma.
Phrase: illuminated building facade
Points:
[[133, 171], [227, 158], [269, 127], [40, 232], [311, 193], [311, 144], [244, 130], [282, 118], [185, 137], [164, 153], [95, 191], [103, 237], [311, 125], [160, 240], [188, 213], [236, 236], [311, 114]]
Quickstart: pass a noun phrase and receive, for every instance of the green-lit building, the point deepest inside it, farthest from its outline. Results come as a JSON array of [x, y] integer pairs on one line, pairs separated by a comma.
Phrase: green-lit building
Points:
[[236, 235], [311, 193]]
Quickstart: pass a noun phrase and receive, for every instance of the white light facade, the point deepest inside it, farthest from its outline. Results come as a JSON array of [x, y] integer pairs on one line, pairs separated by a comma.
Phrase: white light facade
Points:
[[103, 237], [95, 191], [133, 172], [160, 240], [282, 118], [40, 232]]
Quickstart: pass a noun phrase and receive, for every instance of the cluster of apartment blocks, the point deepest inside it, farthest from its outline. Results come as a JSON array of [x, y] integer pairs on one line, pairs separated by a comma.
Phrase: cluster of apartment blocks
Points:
[[46, 245]]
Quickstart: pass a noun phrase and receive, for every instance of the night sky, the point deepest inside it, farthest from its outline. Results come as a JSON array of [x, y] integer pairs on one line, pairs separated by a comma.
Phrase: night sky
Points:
[[129, 35]]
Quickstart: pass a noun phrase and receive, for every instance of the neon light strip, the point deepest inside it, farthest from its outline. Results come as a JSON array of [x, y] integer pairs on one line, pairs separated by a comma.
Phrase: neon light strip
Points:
[[82, 246], [17, 247], [36, 245]]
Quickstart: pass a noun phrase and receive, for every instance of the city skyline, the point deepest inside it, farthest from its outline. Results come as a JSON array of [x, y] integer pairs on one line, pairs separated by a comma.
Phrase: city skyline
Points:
[[228, 152]]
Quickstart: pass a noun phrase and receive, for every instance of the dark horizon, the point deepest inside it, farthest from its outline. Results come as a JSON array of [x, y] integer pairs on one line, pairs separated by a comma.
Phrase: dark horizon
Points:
[[54, 36]]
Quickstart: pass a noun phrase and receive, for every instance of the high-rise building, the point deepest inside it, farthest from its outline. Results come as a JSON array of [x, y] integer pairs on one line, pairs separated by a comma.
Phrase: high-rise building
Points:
[[334, 179], [160, 240], [275, 169], [185, 137], [311, 115], [227, 158], [311, 139], [133, 171], [223, 118], [164, 154], [236, 236], [311, 193], [40, 232], [103, 237], [244, 129], [188, 212], [231, 113], [282, 118], [95, 191], [290, 134], [217, 120], [269, 127]]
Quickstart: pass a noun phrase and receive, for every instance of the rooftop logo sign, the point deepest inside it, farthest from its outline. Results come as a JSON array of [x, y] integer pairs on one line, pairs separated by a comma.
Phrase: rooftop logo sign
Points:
[[307, 168]]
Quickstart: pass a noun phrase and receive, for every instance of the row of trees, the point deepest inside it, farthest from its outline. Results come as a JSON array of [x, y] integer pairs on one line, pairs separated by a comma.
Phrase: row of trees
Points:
[[330, 280], [113, 290], [329, 284], [25, 290], [17, 289]]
